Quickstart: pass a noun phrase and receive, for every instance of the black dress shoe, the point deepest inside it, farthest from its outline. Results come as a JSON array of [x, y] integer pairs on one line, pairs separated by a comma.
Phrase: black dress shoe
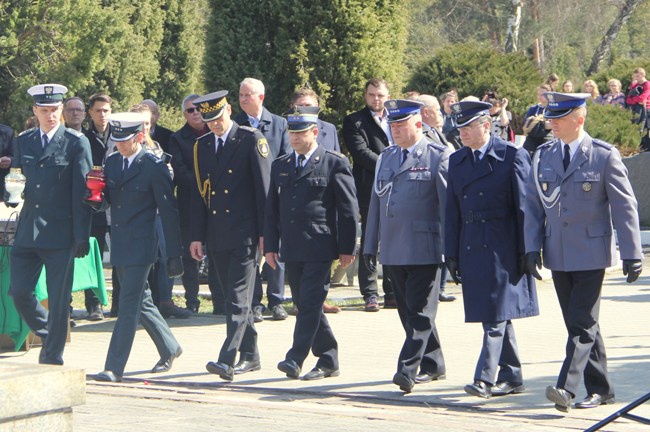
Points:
[[224, 371], [278, 313], [320, 373], [247, 366], [425, 377], [108, 376], [290, 368], [194, 309], [560, 397], [404, 382], [258, 312], [479, 388], [506, 387], [594, 400], [164, 365], [444, 297]]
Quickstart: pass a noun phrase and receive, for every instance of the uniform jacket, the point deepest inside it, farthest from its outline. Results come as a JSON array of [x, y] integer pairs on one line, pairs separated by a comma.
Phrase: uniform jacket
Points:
[[134, 196], [576, 233], [365, 141], [53, 214], [7, 144], [327, 136], [407, 219], [181, 147], [232, 213], [484, 231], [274, 129], [315, 212]]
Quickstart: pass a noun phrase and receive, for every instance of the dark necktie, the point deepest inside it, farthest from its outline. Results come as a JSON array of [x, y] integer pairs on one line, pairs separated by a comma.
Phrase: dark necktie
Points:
[[405, 155], [45, 141], [219, 149], [126, 165], [301, 161], [567, 156], [477, 156]]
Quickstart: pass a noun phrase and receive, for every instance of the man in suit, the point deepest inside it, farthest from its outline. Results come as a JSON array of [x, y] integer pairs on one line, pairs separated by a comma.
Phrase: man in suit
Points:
[[484, 237], [432, 122], [366, 134], [405, 218], [181, 147], [327, 136], [311, 219], [54, 225], [232, 168], [158, 133], [274, 129], [578, 192], [138, 185], [7, 144]]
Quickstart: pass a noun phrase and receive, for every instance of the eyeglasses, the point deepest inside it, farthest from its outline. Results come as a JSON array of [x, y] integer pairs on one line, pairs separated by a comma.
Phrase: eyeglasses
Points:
[[191, 110], [75, 110]]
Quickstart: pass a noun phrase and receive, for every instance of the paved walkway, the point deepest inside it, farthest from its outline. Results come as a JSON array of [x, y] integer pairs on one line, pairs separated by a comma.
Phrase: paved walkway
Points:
[[190, 398]]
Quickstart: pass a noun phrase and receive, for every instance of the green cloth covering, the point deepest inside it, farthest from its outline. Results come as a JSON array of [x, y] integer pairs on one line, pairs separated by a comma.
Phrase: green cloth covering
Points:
[[88, 274]]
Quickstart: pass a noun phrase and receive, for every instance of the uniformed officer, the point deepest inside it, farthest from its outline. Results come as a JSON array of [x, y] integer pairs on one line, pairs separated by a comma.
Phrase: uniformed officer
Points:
[[138, 184], [232, 167], [484, 237], [579, 187], [311, 220], [406, 212], [54, 225]]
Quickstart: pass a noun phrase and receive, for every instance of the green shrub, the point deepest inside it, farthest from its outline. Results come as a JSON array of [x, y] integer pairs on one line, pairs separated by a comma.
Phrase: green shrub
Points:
[[621, 70], [614, 125]]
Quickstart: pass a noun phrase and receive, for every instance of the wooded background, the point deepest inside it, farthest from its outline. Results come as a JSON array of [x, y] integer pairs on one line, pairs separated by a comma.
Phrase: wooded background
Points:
[[166, 49]]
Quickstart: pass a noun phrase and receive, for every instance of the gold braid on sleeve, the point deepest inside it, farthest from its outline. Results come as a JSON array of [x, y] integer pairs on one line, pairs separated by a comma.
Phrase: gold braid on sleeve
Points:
[[206, 187]]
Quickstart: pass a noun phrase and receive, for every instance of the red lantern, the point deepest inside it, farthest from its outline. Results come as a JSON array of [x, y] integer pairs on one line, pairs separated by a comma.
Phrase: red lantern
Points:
[[95, 182]]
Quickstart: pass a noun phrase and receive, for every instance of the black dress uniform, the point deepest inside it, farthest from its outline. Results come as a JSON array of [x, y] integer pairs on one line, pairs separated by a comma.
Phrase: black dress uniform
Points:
[[54, 225], [311, 219], [228, 209]]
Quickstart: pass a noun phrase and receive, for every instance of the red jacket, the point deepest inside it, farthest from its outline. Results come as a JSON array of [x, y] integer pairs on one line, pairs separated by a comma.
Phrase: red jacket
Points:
[[640, 99]]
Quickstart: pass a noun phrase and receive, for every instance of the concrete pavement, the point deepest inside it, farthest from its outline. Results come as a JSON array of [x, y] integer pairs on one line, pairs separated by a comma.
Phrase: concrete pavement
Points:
[[363, 396]]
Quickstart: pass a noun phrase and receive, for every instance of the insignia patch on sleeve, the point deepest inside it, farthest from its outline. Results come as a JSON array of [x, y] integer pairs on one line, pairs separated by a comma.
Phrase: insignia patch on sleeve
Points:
[[263, 147]]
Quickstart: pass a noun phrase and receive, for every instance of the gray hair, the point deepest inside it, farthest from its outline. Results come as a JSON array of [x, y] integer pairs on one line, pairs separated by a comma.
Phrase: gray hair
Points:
[[256, 84], [188, 98]]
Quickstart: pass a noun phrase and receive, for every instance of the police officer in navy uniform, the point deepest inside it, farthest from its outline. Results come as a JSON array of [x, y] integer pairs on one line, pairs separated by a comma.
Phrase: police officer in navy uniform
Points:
[[232, 167], [406, 217], [54, 225], [484, 237], [138, 184], [578, 193], [311, 220]]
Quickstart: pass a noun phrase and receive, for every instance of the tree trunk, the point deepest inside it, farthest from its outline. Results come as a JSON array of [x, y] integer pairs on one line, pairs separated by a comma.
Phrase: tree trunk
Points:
[[605, 46], [514, 21]]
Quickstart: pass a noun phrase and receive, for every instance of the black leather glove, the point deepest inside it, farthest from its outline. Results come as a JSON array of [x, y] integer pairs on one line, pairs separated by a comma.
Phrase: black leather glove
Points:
[[534, 262], [96, 205], [174, 267], [454, 269], [632, 269], [521, 264], [81, 249], [5, 197], [370, 261]]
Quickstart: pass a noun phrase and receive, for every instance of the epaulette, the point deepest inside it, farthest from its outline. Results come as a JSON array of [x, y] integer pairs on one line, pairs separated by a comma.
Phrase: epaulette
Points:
[[153, 157], [27, 131], [74, 132], [284, 156], [248, 128], [335, 153], [389, 149], [204, 135], [603, 144], [547, 144], [112, 155], [437, 146]]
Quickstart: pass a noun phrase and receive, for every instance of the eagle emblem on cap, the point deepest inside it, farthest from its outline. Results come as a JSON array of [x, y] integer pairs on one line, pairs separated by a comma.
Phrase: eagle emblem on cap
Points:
[[391, 104], [48, 90], [456, 108], [116, 123], [296, 111], [551, 98]]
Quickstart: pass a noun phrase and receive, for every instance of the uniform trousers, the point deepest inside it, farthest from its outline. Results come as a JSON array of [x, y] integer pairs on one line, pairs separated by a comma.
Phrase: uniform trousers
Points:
[[274, 285], [309, 286], [235, 270], [99, 232], [499, 351], [136, 305], [190, 276], [52, 326], [416, 294], [368, 280], [578, 293]]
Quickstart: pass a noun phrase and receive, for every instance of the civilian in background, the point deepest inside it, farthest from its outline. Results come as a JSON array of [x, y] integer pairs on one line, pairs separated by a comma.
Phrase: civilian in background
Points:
[[615, 96]]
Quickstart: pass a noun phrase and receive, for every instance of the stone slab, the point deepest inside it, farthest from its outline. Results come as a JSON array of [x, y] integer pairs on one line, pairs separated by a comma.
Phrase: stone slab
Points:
[[638, 167]]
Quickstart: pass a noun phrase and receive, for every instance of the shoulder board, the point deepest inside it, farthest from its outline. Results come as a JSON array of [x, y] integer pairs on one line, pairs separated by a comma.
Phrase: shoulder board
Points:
[[435, 145], [337, 154], [546, 144], [152, 156], [603, 144], [284, 156], [390, 149], [248, 128], [203, 136], [25, 132], [112, 155], [74, 132]]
